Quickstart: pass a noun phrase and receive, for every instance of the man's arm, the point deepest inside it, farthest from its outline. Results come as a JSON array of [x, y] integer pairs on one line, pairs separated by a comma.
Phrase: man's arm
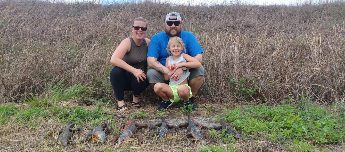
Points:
[[154, 63], [193, 47], [199, 57]]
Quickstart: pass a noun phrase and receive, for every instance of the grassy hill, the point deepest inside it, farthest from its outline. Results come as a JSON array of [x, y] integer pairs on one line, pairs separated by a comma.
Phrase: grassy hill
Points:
[[282, 51], [54, 65]]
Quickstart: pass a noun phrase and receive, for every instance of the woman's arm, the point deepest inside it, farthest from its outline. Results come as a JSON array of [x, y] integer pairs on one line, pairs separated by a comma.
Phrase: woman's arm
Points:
[[147, 41], [119, 53], [117, 60]]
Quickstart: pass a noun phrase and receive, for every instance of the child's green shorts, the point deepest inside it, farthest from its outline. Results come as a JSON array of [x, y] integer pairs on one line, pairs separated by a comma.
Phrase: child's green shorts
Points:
[[176, 97]]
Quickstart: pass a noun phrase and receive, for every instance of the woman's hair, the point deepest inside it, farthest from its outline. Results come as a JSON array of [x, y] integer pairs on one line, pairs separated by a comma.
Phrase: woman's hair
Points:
[[139, 19], [178, 40]]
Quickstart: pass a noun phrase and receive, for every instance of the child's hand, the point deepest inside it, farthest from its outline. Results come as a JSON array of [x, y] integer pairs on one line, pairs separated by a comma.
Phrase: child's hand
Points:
[[172, 66]]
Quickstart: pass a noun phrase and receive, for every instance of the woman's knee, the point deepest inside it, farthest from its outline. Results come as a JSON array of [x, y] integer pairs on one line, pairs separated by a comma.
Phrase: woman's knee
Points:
[[116, 71]]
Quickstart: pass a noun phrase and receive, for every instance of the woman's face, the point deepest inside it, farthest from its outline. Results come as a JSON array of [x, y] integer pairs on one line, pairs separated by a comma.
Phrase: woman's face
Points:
[[139, 29]]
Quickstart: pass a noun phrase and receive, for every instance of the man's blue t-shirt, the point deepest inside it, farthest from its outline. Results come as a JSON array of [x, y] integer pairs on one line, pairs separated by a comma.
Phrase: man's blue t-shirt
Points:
[[159, 43]]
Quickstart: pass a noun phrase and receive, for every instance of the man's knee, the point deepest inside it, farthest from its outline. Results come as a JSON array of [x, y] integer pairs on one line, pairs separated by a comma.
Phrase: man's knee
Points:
[[151, 73], [197, 72], [197, 80], [154, 76]]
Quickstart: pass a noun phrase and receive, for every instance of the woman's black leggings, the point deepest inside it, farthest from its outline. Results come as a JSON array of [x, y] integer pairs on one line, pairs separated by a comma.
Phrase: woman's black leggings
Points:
[[122, 80]]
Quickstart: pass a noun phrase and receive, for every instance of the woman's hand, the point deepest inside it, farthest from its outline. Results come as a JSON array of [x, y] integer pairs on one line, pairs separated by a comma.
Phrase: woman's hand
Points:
[[139, 74]]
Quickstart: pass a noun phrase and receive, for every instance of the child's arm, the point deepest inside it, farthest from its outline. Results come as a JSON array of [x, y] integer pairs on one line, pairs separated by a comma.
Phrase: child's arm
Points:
[[191, 62], [166, 77]]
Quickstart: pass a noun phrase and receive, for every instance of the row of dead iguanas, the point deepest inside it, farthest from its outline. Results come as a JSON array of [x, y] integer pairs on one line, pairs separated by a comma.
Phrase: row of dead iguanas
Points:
[[130, 128]]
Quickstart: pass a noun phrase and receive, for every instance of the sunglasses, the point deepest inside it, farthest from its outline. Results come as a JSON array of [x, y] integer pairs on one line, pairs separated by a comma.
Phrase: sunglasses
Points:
[[138, 27], [176, 23]]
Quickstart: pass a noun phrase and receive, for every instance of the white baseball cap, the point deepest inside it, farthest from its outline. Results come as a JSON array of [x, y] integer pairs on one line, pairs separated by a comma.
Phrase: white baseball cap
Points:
[[178, 17]]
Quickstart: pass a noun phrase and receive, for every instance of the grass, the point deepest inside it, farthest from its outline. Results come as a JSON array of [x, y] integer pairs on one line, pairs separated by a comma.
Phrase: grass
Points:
[[55, 68], [286, 123], [268, 52], [300, 127], [22, 115]]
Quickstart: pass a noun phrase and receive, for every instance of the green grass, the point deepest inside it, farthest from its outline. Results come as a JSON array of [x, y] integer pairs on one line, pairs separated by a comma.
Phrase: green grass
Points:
[[43, 108], [6, 112], [230, 148], [56, 93], [286, 123], [61, 114], [211, 149], [301, 127], [141, 114]]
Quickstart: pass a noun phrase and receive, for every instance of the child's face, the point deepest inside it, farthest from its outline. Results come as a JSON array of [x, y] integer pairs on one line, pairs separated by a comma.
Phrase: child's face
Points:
[[175, 48]]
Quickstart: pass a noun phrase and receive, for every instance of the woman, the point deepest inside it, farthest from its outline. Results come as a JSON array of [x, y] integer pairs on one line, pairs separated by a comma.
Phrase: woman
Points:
[[130, 63]]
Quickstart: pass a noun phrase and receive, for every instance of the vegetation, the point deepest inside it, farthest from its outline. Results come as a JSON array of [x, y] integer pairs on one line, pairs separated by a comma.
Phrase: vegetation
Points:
[[288, 51], [286, 123], [274, 72]]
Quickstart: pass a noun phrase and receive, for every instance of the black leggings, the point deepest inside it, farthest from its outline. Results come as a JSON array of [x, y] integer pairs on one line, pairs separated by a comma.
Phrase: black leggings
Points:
[[122, 80]]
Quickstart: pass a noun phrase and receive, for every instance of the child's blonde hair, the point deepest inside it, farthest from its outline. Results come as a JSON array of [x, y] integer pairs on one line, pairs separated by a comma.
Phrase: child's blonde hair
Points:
[[178, 40]]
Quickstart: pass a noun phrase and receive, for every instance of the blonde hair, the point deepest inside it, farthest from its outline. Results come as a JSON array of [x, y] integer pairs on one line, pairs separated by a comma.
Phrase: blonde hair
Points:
[[178, 40], [139, 19]]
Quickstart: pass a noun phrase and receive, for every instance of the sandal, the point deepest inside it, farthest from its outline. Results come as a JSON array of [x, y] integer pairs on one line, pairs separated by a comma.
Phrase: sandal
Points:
[[119, 108], [136, 104]]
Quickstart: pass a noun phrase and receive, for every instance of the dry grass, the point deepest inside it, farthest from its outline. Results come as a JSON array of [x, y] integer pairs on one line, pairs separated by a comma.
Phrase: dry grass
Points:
[[288, 51]]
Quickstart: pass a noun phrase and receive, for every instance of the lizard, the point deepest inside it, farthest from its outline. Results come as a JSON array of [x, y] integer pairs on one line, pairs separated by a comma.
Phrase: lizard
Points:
[[98, 133], [229, 129], [163, 129], [65, 136], [129, 129], [194, 129]]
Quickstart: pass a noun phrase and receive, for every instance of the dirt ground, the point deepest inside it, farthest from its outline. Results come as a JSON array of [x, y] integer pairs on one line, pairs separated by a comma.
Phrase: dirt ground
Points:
[[44, 137]]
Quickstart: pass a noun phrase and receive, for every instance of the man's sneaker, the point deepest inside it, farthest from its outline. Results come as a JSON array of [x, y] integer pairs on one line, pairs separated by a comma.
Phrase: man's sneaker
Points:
[[190, 104], [164, 105]]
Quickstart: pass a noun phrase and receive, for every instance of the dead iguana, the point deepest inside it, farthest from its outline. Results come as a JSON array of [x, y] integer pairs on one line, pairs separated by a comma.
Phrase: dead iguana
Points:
[[229, 130], [65, 136], [129, 129], [98, 133], [194, 129], [162, 129]]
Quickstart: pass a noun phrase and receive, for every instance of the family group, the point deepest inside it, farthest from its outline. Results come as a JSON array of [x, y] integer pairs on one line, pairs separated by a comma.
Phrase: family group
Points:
[[170, 62]]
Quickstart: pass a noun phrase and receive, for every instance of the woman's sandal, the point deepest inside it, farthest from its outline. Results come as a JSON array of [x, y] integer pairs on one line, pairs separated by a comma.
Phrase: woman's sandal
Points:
[[119, 108], [136, 104]]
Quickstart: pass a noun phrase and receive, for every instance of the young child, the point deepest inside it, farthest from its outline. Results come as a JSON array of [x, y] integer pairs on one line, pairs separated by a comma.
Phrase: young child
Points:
[[177, 89]]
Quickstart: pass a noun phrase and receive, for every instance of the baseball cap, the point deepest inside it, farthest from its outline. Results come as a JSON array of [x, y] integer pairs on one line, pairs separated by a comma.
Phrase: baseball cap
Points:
[[178, 17]]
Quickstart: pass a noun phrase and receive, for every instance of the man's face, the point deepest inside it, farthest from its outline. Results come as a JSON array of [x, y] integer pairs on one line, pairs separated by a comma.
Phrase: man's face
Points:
[[173, 27]]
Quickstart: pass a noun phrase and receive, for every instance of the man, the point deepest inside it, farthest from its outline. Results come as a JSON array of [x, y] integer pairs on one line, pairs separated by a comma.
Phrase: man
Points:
[[157, 55]]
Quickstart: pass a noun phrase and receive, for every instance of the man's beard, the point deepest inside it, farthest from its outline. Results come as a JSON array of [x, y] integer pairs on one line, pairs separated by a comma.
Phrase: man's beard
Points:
[[168, 32]]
